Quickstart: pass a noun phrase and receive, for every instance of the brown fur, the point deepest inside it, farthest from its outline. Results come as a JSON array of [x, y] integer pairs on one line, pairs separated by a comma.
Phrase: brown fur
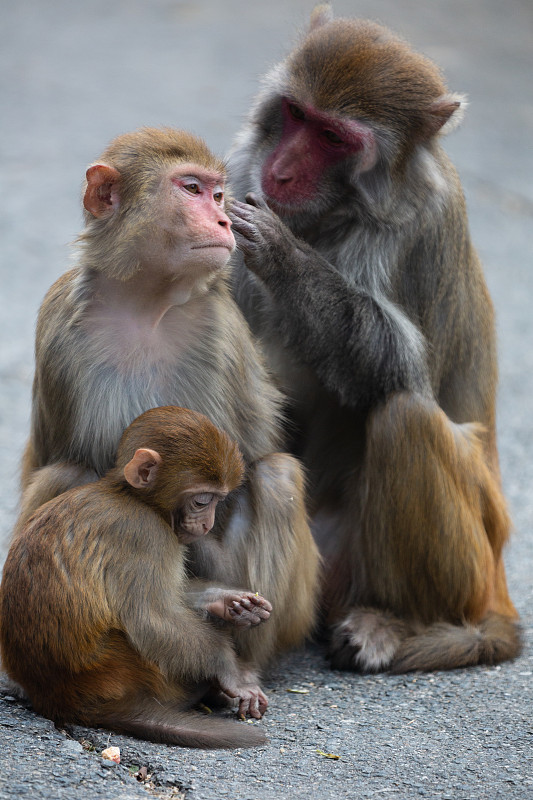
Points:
[[96, 626], [132, 327], [373, 310]]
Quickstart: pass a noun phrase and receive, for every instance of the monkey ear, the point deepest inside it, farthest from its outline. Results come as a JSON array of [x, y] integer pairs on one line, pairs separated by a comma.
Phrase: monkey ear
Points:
[[102, 195], [445, 114], [320, 15], [141, 471]]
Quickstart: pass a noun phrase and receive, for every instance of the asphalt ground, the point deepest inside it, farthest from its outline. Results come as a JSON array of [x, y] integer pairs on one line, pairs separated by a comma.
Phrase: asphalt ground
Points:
[[74, 75]]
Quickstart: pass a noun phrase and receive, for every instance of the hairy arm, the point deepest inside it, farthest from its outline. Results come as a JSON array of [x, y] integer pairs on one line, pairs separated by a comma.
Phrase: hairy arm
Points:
[[361, 347], [147, 595]]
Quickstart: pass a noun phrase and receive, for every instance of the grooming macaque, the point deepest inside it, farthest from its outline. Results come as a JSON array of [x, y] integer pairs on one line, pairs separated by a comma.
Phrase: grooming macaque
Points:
[[146, 319], [96, 624], [361, 282]]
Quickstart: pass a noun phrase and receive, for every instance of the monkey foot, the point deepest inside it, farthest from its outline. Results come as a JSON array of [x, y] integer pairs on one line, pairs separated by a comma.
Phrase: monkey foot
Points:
[[366, 640]]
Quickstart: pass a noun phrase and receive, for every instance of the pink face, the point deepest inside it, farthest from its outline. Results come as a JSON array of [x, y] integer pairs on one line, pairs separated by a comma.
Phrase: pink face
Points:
[[311, 142], [200, 200], [195, 515]]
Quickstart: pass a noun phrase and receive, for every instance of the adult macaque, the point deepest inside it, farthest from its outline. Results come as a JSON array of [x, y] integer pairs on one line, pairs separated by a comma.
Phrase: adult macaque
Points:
[[96, 625], [369, 299], [146, 319]]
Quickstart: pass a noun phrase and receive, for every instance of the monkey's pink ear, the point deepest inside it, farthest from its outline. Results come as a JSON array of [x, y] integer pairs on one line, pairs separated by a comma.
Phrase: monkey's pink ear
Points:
[[141, 471], [102, 194], [320, 15], [445, 114]]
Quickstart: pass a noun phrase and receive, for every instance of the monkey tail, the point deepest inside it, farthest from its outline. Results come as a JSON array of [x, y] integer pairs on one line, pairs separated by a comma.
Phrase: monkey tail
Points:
[[443, 645], [158, 723]]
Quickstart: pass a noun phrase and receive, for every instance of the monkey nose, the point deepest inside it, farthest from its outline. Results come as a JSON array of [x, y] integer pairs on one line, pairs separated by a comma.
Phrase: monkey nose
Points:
[[281, 175], [224, 221]]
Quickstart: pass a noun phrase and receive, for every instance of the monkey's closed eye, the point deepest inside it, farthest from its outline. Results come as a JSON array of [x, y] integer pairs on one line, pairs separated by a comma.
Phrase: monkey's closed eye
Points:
[[201, 500]]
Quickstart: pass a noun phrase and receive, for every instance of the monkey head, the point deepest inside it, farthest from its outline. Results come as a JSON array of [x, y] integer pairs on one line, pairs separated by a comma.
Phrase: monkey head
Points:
[[155, 200], [348, 106], [176, 460]]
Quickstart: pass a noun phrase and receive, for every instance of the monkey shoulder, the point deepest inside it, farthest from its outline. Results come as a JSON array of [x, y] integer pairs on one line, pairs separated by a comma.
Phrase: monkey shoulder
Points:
[[56, 331]]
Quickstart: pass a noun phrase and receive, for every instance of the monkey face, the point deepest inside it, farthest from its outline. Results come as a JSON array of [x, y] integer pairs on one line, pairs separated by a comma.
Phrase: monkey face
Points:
[[311, 146], [195, 515], [196, 231]]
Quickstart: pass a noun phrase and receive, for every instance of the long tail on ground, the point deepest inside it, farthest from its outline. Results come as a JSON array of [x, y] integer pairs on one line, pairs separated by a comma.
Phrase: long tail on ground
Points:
[[442, 645], [186, 729]]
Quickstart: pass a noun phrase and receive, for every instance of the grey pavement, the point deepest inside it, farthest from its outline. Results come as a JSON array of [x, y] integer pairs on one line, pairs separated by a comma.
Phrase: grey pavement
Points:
[[74, 75]]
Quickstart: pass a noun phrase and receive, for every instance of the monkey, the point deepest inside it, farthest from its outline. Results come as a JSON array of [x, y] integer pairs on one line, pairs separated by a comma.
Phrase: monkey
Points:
[[359, 278], [96, 622], [145, 319]]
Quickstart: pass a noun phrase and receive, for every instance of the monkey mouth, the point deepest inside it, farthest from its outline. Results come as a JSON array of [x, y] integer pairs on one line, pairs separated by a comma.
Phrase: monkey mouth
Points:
[[210, 246]]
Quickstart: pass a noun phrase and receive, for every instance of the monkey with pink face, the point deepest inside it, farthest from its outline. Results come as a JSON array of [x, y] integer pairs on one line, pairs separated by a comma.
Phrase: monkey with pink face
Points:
[[146, 319], [360, 279]]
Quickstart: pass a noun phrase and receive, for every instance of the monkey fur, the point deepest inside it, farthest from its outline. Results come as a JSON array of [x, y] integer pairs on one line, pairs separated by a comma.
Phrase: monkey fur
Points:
[[361, 282]]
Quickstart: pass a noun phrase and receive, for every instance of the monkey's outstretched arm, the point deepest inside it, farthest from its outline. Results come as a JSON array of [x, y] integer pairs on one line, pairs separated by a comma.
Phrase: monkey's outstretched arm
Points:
[[361, 347], [187, 648]]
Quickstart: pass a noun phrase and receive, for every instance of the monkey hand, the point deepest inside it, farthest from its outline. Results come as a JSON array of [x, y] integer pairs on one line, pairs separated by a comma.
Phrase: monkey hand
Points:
[[264, 240], [252, 700], [242, 609], [248, 609]]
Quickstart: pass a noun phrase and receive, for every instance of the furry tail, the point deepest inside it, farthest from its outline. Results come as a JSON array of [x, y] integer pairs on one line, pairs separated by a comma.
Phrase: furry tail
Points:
[[161, 724], [445, 646], [372, 640]]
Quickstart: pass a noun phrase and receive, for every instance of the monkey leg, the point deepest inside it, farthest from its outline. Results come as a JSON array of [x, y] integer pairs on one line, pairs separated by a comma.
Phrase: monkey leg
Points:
[[430, 589], [267, 547], [282, 559], [49, 482]]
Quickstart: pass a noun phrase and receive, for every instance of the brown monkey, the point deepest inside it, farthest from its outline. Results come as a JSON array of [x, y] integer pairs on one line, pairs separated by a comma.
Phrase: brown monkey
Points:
[[370, 301], [147, 319], [96, 625]]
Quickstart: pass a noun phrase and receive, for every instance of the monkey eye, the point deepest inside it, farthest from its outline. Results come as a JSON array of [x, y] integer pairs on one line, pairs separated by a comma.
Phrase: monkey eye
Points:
[[202, 500], [218, 197], [332, 137], [296, 111], [193, 188]]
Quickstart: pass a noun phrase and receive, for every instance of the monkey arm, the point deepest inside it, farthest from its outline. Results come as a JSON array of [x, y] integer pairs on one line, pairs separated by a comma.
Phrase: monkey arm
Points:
[[187, 648], [362, 348]]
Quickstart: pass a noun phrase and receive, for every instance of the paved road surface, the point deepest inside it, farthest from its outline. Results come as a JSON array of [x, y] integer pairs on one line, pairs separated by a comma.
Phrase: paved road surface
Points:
[[72, 76]]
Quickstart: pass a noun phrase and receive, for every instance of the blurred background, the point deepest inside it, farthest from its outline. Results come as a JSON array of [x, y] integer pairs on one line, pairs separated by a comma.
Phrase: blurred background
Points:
[[73, 75]]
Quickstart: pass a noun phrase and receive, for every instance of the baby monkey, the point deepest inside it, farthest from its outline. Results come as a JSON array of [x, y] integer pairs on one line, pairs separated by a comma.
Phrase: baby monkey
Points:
[[99, 621]]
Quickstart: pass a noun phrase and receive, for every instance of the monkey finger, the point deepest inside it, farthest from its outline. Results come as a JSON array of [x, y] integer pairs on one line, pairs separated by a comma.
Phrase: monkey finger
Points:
[[248, 249], [254, 707], [244, 704], [263, 701], [253, 200], [262, 613], [261, 601], [244, 228], [238, 619], [242, 211], [256, 615]]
